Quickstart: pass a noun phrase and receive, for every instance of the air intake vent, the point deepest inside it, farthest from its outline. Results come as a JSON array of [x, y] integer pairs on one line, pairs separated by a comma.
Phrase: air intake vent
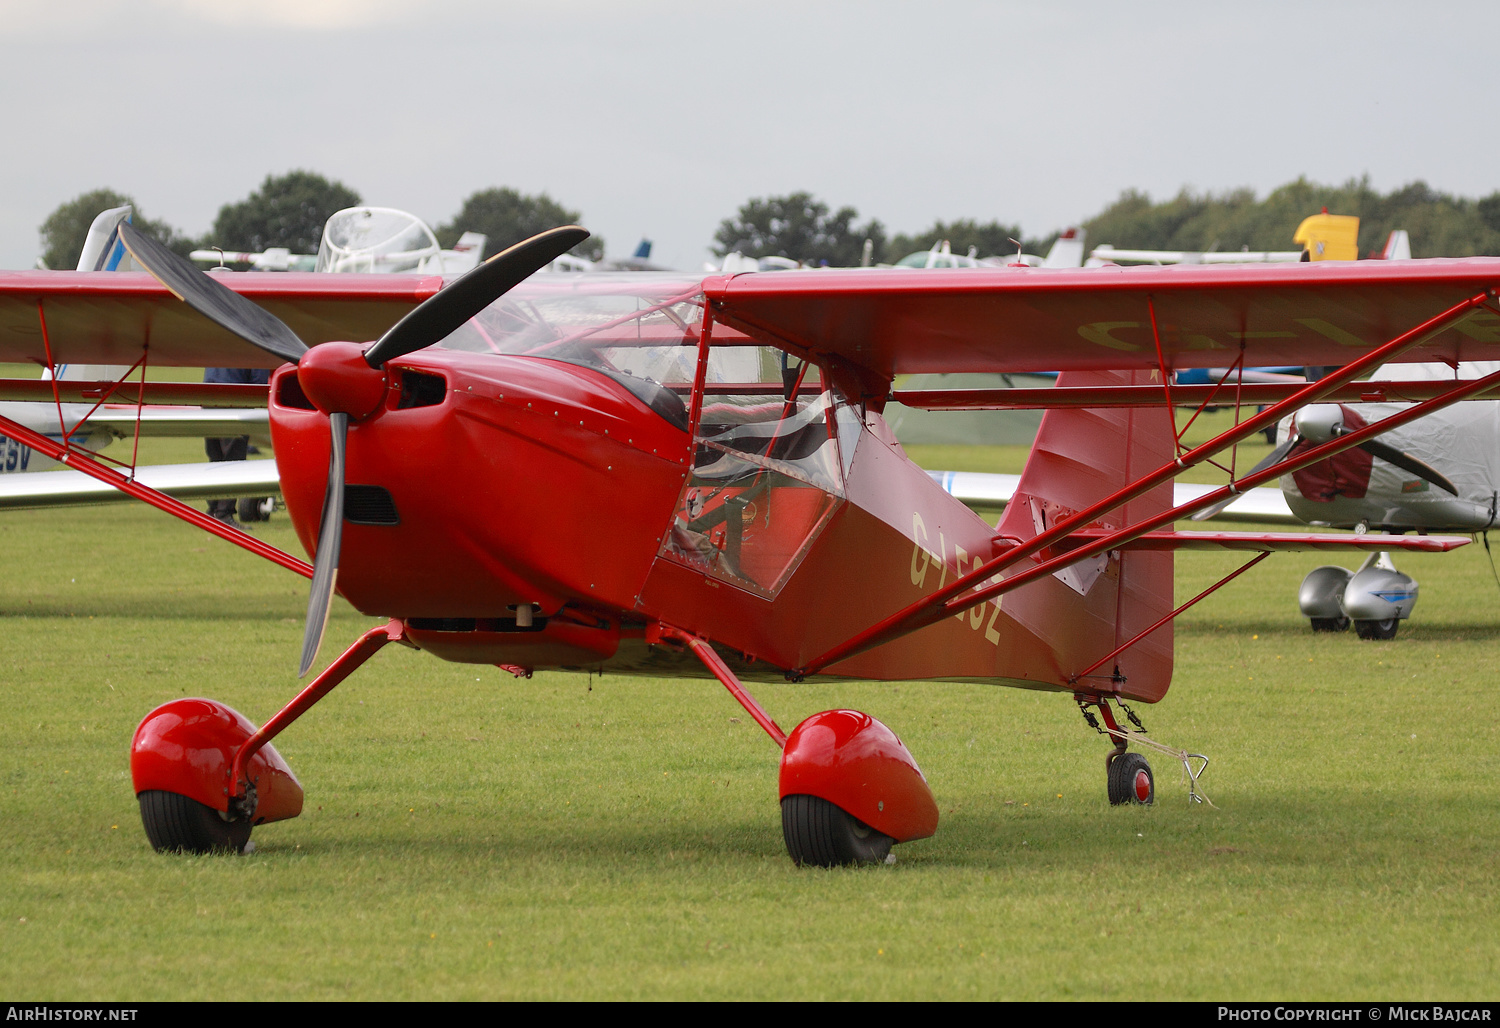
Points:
[[369, 505], [289, 394], [419, 390]]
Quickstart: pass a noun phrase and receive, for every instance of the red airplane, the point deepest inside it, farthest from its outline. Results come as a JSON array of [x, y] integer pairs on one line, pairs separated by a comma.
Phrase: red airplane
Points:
[[689, 476]]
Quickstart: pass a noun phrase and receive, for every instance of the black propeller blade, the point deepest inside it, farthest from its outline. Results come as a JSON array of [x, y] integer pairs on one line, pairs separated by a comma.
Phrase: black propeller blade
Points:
[[432, 320], [459, 301], [211, 298], [1386, 452], [1271, 458], [1406, 462], [330, 536]]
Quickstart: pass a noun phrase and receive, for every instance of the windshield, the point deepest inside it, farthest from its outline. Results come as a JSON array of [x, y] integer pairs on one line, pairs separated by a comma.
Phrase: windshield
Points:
[[640, 330]]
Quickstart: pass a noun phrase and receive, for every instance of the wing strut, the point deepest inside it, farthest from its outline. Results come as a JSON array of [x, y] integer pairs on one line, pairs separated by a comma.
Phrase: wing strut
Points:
[[945, 602], [197, 518]]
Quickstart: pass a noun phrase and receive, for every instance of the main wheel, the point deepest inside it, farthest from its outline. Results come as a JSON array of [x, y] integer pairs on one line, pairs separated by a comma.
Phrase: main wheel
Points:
[[821, 834], [1330, 624], [1130, 780], [174, 822], [1385, 629]]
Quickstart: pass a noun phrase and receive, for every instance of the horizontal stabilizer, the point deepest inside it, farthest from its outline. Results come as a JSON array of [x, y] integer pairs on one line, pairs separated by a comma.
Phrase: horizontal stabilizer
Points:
[[223, 479], [1262, 541]]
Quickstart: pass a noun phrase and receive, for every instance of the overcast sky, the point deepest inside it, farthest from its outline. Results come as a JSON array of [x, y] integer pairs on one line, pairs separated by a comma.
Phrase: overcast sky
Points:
[[659, 118]]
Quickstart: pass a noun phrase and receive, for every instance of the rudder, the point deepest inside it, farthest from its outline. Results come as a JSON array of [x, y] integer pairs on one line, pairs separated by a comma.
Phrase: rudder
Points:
[[1089, 609]]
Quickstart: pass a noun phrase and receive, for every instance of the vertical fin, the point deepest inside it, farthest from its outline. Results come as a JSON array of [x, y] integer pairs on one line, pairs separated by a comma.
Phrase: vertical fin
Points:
[[1084, 612]]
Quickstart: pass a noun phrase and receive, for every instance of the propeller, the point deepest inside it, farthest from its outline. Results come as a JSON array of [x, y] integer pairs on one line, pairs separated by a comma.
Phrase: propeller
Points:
[[344, 380], [212, 298], [1274, 457], [460, 300], [1322, 422]]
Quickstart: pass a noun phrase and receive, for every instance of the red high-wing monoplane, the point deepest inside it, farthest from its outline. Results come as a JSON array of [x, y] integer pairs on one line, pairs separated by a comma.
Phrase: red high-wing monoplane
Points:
[[675, 476]]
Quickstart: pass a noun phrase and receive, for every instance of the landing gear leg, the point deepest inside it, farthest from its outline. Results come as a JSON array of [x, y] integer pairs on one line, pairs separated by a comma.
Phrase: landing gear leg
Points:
[[346, 664], [1128, 775], [849, 788]]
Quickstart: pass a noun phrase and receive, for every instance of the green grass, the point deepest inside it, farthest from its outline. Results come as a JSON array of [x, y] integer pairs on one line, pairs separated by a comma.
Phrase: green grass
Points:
[[472, 836]]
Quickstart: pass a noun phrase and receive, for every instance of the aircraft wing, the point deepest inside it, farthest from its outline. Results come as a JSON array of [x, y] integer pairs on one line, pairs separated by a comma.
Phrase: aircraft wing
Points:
[[1055, 319], [96, 317], [1282, 541], [992, 492], [185, 422], [897, 322], [222, 479]]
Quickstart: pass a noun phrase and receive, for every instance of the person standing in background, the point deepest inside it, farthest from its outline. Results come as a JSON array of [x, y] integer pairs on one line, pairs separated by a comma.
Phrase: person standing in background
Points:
[[230, 447]]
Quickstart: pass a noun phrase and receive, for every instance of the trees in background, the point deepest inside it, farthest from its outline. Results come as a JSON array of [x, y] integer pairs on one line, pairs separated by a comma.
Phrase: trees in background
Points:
[[66, 228], [287, 210], [507, 216], [1440, 225], [800, 228]]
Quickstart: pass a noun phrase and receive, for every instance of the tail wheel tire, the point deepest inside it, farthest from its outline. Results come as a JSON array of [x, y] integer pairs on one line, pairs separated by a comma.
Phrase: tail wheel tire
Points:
[[821, 834], [1330, 624], [1385, 629], [174, 822], [1130, 780]]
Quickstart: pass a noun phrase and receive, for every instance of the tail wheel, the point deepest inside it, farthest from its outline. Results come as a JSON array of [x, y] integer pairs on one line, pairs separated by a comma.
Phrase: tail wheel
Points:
[[1330, 624], [175, 822], [1130, 780], [1385, 629], [821, 834]]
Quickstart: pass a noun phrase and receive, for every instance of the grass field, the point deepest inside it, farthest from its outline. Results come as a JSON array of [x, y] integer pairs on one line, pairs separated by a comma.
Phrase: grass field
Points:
[[471, 836]]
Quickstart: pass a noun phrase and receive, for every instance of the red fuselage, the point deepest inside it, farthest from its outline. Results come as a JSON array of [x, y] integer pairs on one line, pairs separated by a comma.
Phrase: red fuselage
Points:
[[484, 481]]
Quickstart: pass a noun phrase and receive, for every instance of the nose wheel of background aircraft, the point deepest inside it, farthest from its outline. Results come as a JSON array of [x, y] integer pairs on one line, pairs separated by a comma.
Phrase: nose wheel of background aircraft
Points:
[[1385, 629], [821, 834], [253, 508], [1130, 780], [1330, 624], [175, 822]]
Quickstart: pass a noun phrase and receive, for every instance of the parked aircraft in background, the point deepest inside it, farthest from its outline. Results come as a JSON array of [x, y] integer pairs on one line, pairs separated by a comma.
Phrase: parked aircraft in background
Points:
[[1324, 237], [365, 240], [640, 260], [89, 406], [1066, 252], [1439, 474]]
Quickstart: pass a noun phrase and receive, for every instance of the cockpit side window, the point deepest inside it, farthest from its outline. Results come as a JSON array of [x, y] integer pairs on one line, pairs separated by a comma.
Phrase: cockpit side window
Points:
[[767, 473]]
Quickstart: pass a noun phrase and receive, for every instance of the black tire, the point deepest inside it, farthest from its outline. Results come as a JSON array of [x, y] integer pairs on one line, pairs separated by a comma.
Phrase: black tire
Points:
[[249, 509], [1377, 629], [174, 822], [821, 834], [1126, 783], [1330, 624]]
